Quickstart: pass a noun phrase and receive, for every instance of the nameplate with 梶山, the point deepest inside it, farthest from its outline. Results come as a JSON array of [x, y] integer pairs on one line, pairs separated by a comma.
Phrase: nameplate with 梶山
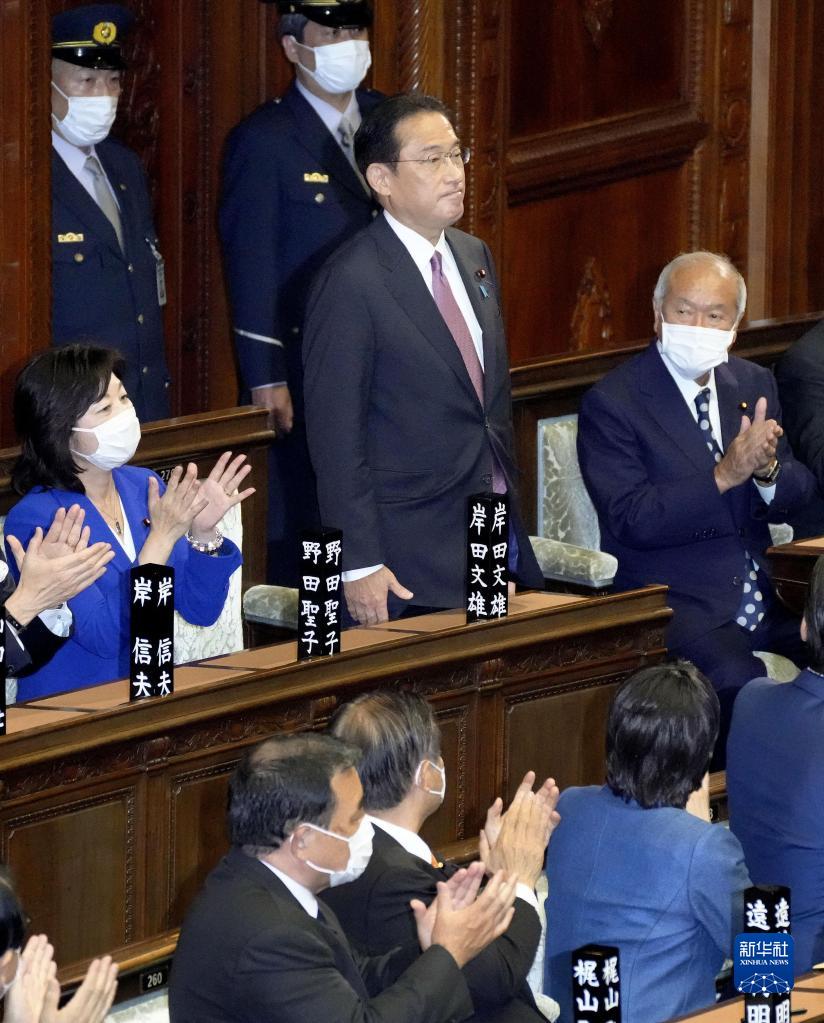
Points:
[[487, 552], [151, 657], [319, 598], [596, 984]]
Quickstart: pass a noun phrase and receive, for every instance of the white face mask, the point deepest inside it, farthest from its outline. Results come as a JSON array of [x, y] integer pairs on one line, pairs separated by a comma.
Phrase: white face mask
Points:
[[88, 120], [440, 792], [694, 351], [340, 67], [360, 851], [117, 440]]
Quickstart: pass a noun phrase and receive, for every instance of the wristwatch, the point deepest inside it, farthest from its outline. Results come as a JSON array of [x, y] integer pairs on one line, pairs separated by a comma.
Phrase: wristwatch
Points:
[[768, 478]]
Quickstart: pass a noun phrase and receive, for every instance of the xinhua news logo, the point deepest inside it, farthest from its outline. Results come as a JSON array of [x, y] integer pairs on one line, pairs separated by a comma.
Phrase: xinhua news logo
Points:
[[763, 963]]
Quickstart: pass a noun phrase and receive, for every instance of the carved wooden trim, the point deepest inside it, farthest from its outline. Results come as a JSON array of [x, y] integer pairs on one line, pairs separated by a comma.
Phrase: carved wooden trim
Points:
[[597, 16], [460, 715], [591, 325], [417, 45]]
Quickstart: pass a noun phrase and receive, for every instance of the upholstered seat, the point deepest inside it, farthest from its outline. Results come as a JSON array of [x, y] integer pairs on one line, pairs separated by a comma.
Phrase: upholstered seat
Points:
[[152, 1008]]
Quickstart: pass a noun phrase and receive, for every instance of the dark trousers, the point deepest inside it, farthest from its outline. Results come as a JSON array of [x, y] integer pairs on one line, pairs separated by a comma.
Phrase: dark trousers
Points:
[[725, 656], [293, 504]]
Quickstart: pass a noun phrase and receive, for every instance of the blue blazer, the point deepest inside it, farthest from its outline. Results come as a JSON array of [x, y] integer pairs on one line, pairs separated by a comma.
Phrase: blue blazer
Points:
[[650, 475], [98, 649], [775, 784], [660, 884], [278, 226], [101, 294]]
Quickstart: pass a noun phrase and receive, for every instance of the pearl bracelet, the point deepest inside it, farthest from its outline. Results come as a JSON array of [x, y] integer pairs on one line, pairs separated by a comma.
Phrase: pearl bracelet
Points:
[[207, 546]]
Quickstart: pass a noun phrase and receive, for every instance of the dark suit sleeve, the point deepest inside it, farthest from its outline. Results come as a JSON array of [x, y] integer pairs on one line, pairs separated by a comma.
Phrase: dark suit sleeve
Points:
[[338, 355], [287, 975], [31, 647], [801, 385], [249, 225], [496, 975]]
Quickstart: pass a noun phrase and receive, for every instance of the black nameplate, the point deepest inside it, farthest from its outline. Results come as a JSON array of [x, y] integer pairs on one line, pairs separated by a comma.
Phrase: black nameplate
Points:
[[151, 654], [321, 592], [487, 555], [767, 1008], [767, 909], [596, 984], [156, 978], [4, 638]]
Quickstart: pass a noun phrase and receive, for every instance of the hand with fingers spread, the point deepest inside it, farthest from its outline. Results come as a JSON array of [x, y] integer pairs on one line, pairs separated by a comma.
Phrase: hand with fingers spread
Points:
[[36, 971], [57, 566], [466, 931], [367, 597], [751, 452], [516, 841], [221, 490], [90, 1002], [462, 888], [171, 513]]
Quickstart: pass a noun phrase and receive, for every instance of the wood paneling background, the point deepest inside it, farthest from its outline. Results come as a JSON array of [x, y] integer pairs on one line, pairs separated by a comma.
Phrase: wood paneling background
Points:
[[606, 137]]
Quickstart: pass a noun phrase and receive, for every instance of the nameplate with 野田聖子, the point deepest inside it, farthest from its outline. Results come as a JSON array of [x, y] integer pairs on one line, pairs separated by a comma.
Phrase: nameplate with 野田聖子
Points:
[[72, 236], [316, 178]]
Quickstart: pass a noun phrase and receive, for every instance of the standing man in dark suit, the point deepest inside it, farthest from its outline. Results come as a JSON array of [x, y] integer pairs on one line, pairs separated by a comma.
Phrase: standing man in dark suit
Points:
[[800, 375], [291, 195], [775, 782], [403, 778], [108, 277], [407, 388], [684, 457], [256, 946]]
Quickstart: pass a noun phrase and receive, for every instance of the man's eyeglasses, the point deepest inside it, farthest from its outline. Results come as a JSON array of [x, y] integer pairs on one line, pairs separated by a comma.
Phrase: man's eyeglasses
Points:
[[438, 161]]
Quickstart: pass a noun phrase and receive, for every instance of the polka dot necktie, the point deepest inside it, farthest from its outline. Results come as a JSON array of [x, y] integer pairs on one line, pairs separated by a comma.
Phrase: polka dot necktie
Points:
[[751, 609]]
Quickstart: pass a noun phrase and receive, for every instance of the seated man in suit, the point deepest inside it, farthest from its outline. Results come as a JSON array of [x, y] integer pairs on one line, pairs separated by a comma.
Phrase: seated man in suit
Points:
[[53, 568], [682, 451], [775, 782], [257, 948], [800, 375], [402, 773]]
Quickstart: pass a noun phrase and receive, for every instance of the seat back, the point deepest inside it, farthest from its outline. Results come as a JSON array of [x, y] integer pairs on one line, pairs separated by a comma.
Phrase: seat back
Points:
[[565, 510]]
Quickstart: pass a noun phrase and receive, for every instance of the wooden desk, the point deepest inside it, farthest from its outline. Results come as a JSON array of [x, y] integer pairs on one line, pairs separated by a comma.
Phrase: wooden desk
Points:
[[792, 565], [808, 994], [111, 813]]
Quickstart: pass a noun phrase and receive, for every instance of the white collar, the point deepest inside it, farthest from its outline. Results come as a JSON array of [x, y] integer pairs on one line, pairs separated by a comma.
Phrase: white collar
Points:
[[330, 115], [689, 389], [419, 248], [73, 156], [301, 892], [412, 842]]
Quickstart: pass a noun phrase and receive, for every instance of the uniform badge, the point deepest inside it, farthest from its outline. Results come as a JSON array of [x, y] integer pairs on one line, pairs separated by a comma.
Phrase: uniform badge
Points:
[[104, 33], [70, 237], [316, 178]]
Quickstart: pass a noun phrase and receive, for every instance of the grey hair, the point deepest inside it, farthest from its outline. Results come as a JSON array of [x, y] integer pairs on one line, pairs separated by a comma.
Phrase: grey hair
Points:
[[722, 263], [292, 25]]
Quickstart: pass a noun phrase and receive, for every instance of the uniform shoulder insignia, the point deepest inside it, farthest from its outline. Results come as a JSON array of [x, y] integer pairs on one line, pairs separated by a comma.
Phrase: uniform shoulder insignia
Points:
[[71, 236], [316, 178]]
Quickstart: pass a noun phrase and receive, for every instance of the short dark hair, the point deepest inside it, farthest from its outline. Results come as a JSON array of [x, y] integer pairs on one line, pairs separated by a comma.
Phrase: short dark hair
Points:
[[662, 728], [53, 391], [282, 782], [12, 919], [394, 731], [814, 616], [292, 25], [376, 141]]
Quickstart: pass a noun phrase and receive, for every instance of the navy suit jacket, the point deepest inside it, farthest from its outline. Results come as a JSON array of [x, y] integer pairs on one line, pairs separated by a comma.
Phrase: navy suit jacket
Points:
[[250, 953], [101, 294], [662, 885], [375, 914], [31, 646], [650, 475], [775, 784], [397, 435], [290, 197], [98, 649]]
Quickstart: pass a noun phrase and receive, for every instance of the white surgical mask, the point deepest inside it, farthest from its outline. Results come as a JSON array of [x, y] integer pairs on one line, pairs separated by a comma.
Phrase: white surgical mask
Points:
[[340, 67], [694, 351], [360, 851], [117, 440], [88, 120], [440, 792]]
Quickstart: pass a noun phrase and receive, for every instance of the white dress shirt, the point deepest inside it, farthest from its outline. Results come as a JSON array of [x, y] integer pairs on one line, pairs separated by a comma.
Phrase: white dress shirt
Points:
[[415, 846], [421, 250], [690, 389], [75, 159], [301, 892]]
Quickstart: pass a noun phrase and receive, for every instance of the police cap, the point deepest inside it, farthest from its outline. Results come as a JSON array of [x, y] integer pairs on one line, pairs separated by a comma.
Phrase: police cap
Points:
[[90, 36], [335, 13]]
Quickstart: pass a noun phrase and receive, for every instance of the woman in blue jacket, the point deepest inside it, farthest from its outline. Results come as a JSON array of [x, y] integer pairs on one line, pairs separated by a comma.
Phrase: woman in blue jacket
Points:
[[78, 429]]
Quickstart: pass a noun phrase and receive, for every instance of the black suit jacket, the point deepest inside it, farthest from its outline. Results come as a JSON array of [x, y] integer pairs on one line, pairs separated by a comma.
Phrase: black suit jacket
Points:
[[249, 953], [31, 647], [397, 435], [375, 914]]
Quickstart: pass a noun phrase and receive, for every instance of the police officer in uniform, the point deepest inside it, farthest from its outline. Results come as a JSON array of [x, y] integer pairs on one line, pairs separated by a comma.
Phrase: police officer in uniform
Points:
[[291, 195], [108, 280]]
